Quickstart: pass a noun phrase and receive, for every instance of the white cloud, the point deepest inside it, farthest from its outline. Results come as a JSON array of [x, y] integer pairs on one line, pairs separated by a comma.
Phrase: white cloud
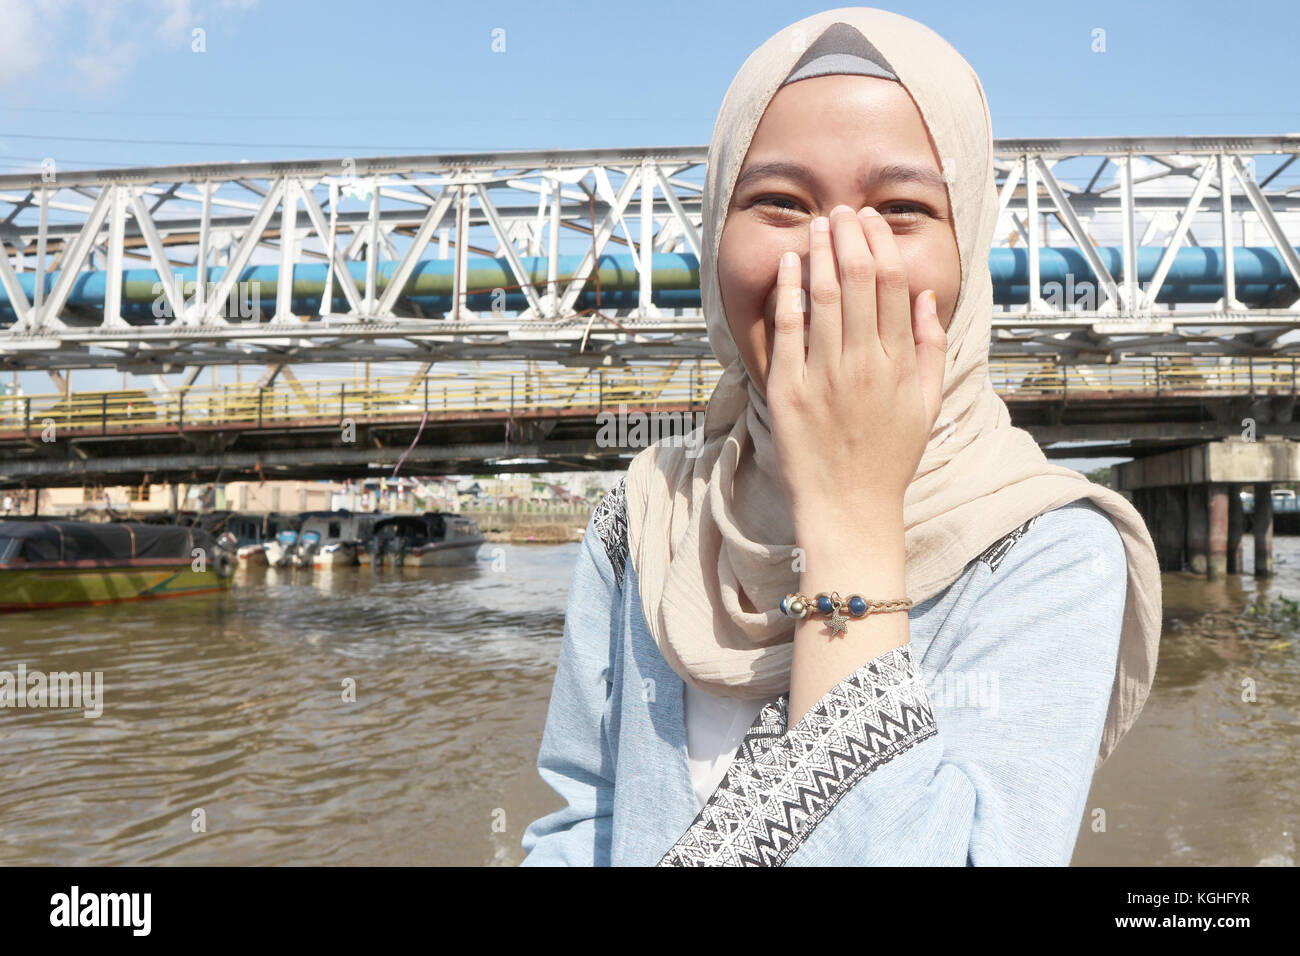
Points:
[[21, 48], [95, 42], [178, 19], [107, 51]]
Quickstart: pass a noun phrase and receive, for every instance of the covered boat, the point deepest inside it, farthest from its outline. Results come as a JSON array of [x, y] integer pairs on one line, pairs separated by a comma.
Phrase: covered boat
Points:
[[332, 539], [434, 538], [253, 532], [61, 562]]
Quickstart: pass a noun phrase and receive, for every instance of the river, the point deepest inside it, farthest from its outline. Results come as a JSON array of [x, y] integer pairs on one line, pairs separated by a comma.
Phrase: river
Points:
[[227, 737]]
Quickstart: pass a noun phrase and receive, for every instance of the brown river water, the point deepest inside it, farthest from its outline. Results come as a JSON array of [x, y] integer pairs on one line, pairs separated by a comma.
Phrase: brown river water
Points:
[[225, 737]]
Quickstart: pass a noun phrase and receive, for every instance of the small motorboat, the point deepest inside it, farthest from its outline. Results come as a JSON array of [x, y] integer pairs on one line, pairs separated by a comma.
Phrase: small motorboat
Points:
[[433, 539], [252, 532], [391, 540], [332, 539], [279, 550], [64, 563]]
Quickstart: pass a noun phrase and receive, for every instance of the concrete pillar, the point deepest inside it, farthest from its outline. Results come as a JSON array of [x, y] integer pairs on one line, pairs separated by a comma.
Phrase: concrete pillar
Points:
[[1218, 520], [1143, 508], [1170, 526], [1198, 528], [1236, 528], [1263, 522], [1155, 521]]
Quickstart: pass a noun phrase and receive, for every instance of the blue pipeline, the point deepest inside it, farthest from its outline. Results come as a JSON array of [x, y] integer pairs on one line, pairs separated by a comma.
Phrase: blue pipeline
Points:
[[1195, 276]]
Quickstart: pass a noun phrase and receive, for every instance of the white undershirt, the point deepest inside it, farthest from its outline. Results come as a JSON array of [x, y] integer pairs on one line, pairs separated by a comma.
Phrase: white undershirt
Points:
[[715, 726]]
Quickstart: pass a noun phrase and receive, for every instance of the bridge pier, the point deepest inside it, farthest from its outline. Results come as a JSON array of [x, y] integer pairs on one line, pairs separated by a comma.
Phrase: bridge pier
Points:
[[1169, 526], [1236, 527], [1217, 516], [1191, 501], [1198, 528], [1263, 523]]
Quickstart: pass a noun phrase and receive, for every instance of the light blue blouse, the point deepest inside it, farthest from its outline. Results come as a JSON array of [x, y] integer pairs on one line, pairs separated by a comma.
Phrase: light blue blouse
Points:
[[973, 744]]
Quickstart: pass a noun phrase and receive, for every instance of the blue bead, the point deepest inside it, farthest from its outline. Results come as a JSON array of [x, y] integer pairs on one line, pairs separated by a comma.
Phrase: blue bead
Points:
[[785, 608], [857, 605], [824, 604]]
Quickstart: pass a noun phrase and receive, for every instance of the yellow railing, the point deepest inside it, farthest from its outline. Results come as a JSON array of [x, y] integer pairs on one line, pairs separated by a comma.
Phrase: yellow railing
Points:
[[1209, 376], [644, 387]]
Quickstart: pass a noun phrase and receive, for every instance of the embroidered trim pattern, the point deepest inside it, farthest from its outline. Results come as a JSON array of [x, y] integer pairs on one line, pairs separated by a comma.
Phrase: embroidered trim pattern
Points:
[[994, 553], [610, 521], [781, 785]]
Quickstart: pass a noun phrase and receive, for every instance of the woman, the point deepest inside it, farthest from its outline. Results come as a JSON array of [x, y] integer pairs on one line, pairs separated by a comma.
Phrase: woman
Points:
[[701, 715]]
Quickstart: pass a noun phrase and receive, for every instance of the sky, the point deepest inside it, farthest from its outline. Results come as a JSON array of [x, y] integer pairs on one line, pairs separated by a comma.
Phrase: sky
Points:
[[129, 82], [101, 83]]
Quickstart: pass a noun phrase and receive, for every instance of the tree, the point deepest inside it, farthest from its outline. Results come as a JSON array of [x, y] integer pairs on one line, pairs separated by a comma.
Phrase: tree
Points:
[[1100, 475]]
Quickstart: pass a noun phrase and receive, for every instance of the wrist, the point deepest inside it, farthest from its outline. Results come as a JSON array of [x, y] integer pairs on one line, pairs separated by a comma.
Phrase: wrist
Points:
[[872, 528], [867, 555]]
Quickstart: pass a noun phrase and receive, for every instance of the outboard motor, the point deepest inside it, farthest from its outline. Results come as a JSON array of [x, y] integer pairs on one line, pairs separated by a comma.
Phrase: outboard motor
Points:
[[381, 545], [375, 548], [308, 543], [279, 553], [225, 555]]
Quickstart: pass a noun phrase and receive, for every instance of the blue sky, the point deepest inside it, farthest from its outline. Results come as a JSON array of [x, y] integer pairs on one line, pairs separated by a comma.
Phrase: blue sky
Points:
[[116, 82]]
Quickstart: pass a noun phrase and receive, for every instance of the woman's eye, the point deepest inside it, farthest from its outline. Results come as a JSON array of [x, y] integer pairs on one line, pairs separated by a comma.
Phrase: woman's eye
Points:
[[908, 208], [766, 200], [904, 209]]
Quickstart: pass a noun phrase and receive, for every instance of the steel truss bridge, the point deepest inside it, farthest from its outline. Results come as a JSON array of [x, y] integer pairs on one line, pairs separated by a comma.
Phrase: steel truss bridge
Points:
[[1143, 288], [590, 257]]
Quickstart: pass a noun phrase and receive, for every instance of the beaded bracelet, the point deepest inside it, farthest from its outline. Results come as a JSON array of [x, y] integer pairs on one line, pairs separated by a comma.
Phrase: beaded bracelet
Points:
[[798, 606]]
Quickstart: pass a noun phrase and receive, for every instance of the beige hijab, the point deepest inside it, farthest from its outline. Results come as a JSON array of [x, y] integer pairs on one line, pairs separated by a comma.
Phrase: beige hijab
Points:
[[711, 536]]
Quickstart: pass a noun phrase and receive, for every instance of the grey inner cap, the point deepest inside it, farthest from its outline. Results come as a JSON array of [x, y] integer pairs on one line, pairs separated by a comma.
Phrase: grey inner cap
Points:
[[841, 49]]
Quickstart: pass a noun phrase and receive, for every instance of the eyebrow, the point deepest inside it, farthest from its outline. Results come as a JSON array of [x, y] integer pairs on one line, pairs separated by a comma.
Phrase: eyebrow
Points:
[[891, 175]]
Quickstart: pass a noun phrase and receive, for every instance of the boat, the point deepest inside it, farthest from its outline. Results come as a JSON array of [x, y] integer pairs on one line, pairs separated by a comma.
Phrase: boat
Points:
[[279, 550], [254, 532], [49, 563], [331, 539], [251, 531], [432, 539]]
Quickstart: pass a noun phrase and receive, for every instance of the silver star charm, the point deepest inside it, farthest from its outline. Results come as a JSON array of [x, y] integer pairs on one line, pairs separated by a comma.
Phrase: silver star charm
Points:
[[837, 622]]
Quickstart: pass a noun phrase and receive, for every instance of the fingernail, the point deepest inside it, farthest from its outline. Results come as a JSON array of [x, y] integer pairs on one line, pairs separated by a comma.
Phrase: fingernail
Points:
[[821, 224], [789, 260], [934, 302], [869, 211]]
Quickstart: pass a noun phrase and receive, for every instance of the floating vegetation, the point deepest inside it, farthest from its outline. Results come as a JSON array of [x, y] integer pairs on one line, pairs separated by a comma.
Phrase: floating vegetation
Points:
[[1275, 624], [1221, 624], [1276, 618]]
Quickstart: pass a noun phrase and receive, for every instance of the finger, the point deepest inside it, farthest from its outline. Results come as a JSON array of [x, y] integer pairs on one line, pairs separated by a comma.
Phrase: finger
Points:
[[787, 363], [931, 352], [824, 325], [893, 297], [857, 273]]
